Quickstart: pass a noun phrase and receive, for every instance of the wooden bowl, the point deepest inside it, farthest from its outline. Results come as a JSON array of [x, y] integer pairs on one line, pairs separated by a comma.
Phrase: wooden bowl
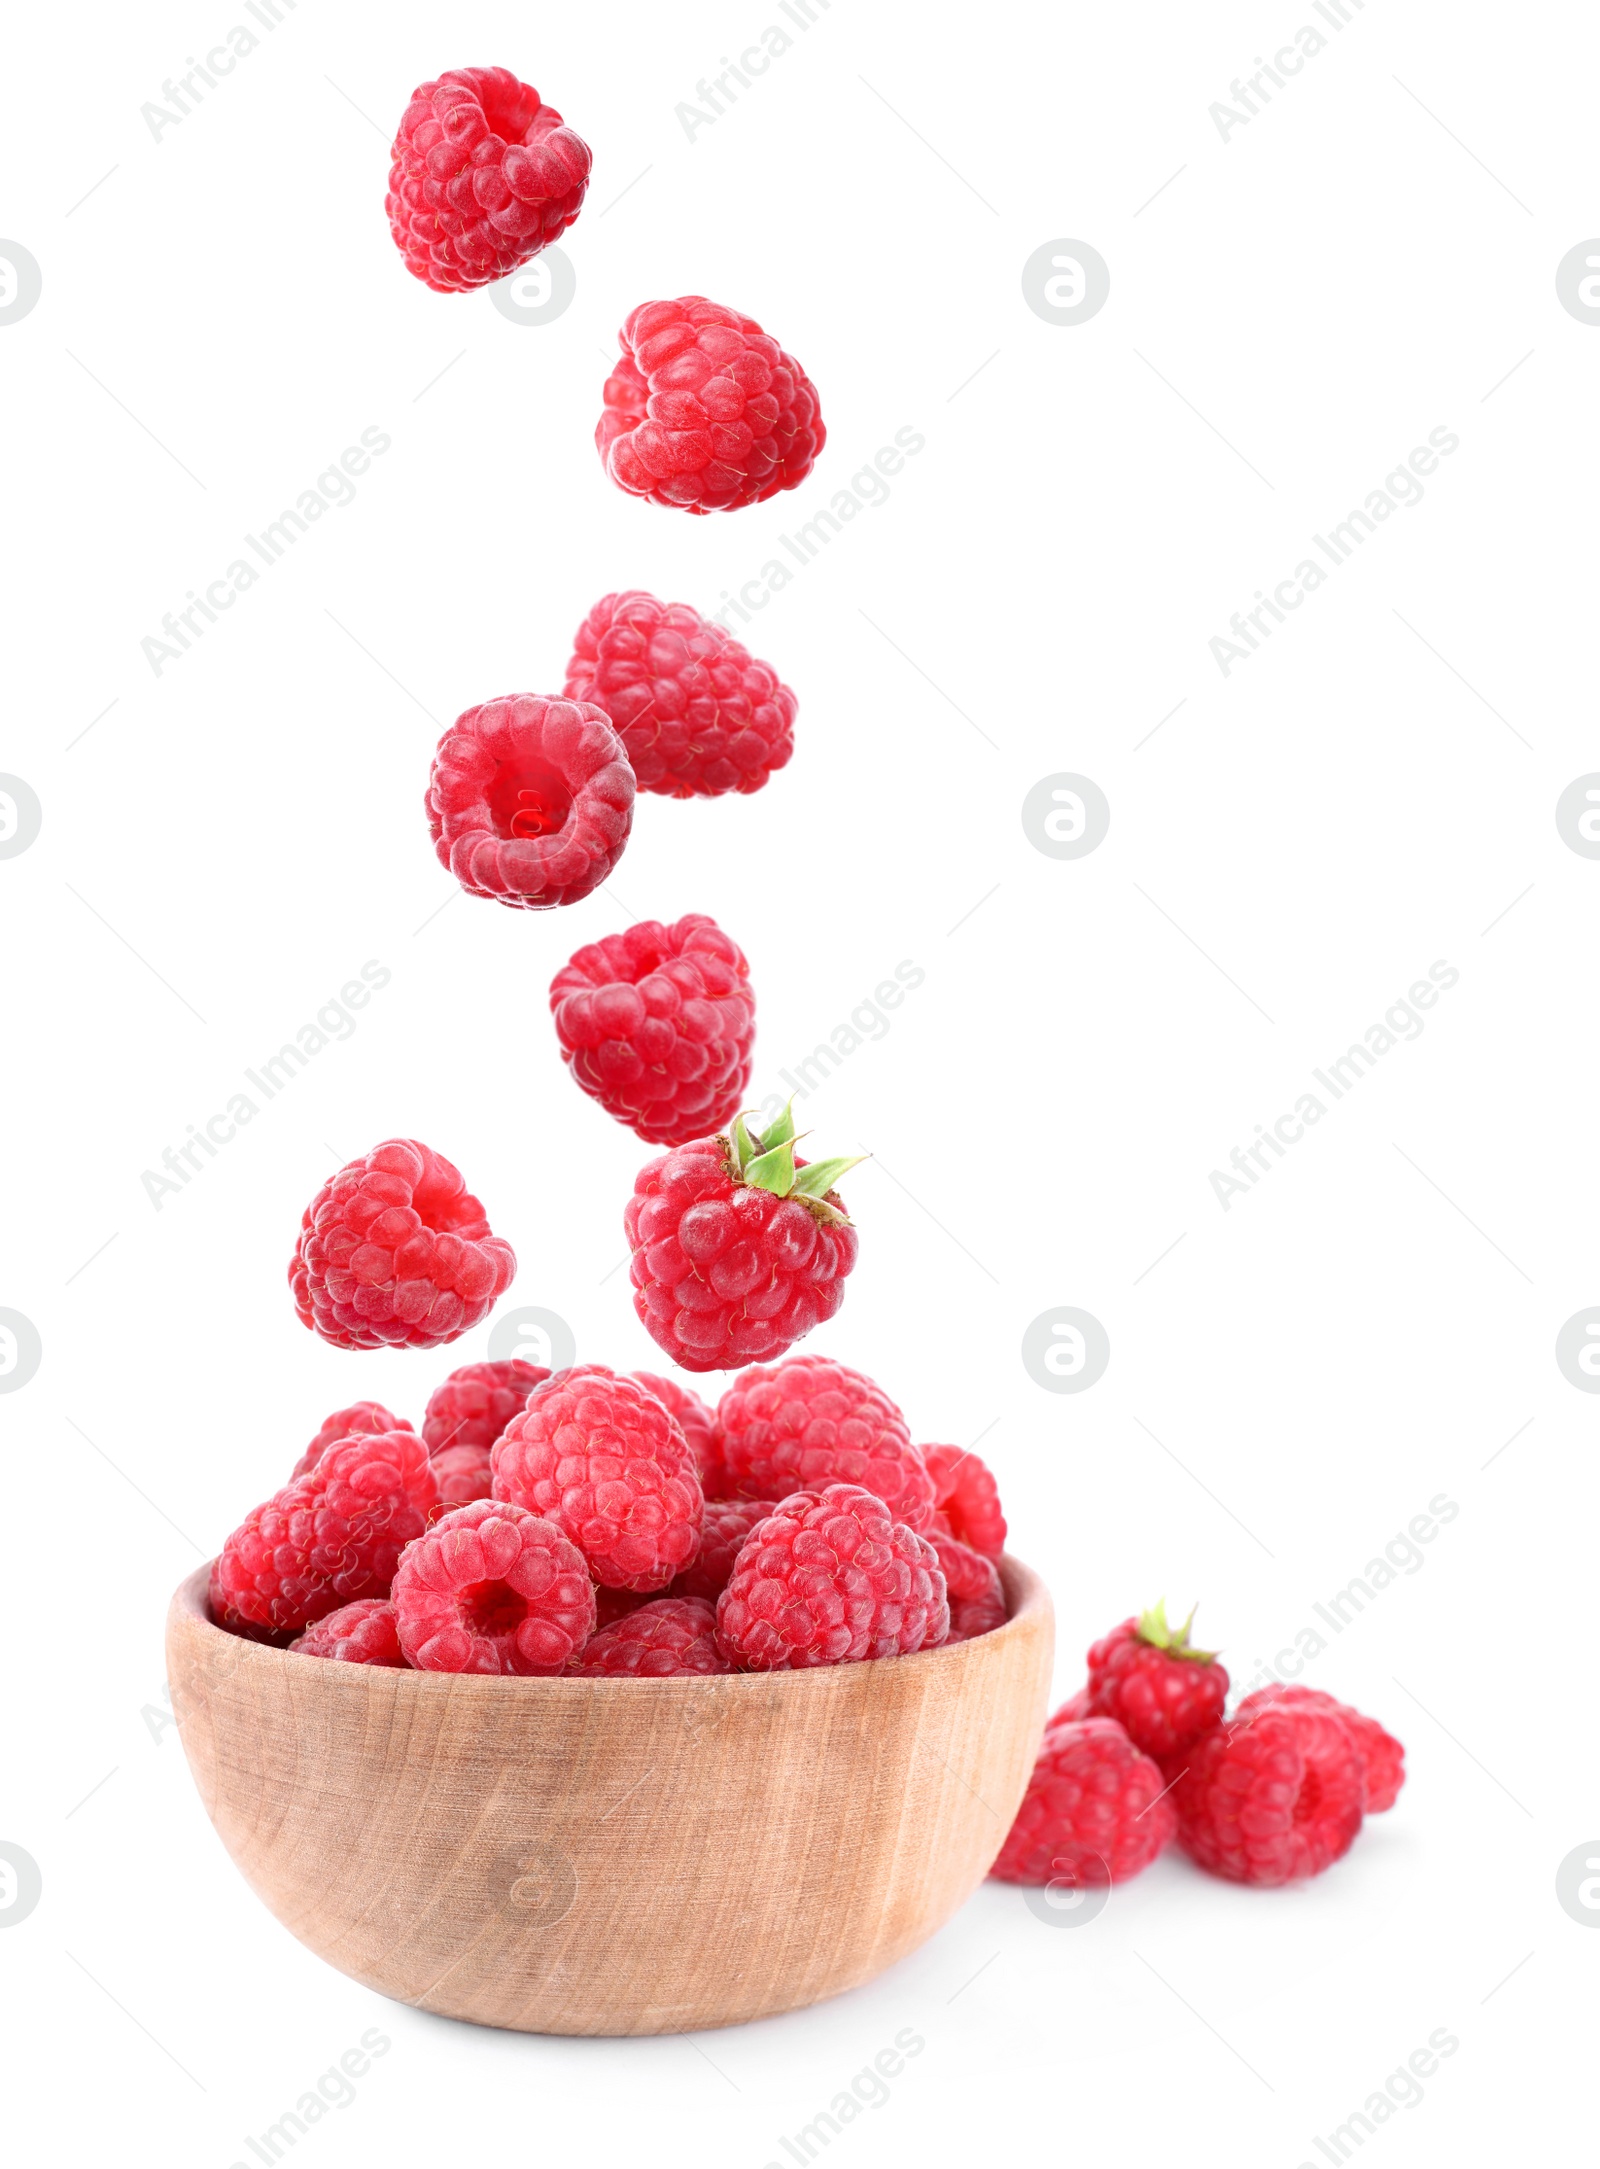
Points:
[[613, 1856]]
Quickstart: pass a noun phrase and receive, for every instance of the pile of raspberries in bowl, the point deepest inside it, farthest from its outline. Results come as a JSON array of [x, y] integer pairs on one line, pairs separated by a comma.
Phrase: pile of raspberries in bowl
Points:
[[613, 1525]]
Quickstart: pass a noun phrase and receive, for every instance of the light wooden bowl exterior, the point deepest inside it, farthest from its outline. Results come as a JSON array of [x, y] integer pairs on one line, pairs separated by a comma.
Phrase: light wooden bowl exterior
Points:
[[613, 1856]]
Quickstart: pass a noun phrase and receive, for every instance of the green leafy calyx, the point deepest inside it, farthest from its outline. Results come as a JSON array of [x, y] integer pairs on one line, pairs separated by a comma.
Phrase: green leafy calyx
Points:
[[765, 1161], [1174, 1641]]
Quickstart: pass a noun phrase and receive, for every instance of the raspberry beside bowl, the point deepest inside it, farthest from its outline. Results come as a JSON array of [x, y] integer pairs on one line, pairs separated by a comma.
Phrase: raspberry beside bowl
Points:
[[613, 1856]]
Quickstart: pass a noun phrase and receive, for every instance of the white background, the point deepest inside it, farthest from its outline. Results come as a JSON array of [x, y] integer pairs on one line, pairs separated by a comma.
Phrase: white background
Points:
[[1371, 257]]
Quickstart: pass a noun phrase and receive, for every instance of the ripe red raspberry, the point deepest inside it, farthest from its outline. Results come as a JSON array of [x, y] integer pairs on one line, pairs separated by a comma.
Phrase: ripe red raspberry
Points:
[[483, 176], [462, 1473], [351, 1422], [977, 1601], [810, 1422], [1093, 1812], [704, 411], [606, 1462], [530, 800], [395, 1251], [1383, 1759], [695, 710], [1273, 1798], [727, 1523], [613, 1604], [324, 1539], [968, 1498], [359, 1633], [1162, 1692], [830, 1577], [671, 1638], [739, 1247], [476, 1402], [658, 1025], [492, 1588], [700, 1427]]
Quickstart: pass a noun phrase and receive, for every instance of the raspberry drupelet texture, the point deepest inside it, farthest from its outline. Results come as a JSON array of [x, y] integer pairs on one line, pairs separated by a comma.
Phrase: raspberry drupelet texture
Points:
[[697, 713], [727, 1523], [493, 1588], [483, 175], [1092, 1814], [967, 1498], [1162, 1692], [809, 1422], [612, 1604], [530, 800], [830, 1577], [739, 1247], [977, 1600], [1272, 1799], [462, 1473], [669, 1638], [476, 1402], [359, 1633], [700, 1427], [704, 412], [360, 1416], [1383, 1759], [325, 1539], [608, 1463], [658, 1024], [394, 1251]]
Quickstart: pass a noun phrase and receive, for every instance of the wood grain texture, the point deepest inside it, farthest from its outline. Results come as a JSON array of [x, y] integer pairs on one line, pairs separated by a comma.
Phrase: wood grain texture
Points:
[[613, 1856]]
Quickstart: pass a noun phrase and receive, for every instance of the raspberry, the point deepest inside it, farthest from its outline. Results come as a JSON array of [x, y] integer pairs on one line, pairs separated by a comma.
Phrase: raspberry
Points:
[[968, 1498], [483, 177], [493, 1588], [738, 1247], [810, 1422], [1072, 1712], [395, 1251], [830, 1577], [1272, 1799], [699, 1424], [476, 1402], [359, 1417], [695, 710], [324, 1539], [1163, 1693], [1093, 1812], [608, 1463], [530, 800], [614, 1604], [657, 1024], [673, 1638], [704, 411], [359, 1633], [462, 1473], [1383, 1759], [977, 1601], [727, 1523]]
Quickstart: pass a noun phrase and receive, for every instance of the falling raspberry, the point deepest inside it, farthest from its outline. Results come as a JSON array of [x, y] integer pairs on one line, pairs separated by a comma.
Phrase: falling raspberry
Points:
[[394, 1251], [809, 1422], [530, 800], [696, 712], [830, 1578], [658, 1024], [704, 412], [608, 1463], [739, 1247], [325, 1539], [492, 1588], [484, 175]]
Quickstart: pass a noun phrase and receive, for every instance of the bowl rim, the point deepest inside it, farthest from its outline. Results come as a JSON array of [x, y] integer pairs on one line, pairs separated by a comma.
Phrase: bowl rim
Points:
[[1027, 1598]]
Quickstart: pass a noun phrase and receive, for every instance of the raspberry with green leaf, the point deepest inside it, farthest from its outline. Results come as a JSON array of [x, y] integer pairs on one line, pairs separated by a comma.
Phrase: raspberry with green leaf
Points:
[[739, 1246], [1161, 1690]]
